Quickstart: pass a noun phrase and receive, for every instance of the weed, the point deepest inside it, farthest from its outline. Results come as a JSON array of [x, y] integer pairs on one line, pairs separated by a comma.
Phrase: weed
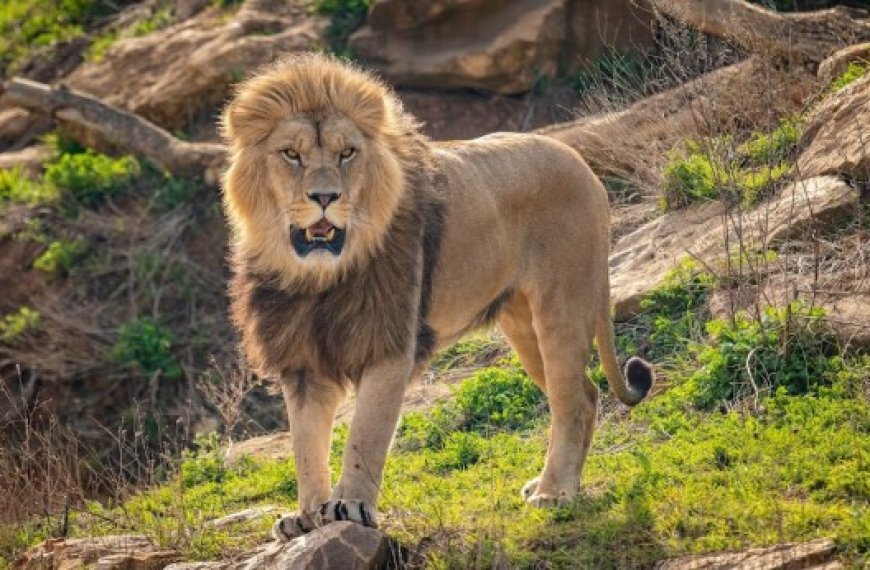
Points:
[[16, 187], [855, 71], [89, 177], [145, 346], [15, 325], [788, 348], [60, 256]]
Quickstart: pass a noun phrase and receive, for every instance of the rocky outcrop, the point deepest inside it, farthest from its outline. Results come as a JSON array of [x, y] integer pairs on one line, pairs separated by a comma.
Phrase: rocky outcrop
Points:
[[836, 138], [120, 552], [839, 61], [815, 555], [642, 258], [341, 544], [496, 45], [172, 76]]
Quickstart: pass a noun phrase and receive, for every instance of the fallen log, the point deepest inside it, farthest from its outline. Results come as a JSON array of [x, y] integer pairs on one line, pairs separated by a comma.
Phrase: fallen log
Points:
[[794, 37], [96, 123]]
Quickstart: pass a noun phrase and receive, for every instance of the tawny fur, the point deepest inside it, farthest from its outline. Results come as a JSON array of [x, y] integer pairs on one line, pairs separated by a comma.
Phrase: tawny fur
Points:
[[440, 239]]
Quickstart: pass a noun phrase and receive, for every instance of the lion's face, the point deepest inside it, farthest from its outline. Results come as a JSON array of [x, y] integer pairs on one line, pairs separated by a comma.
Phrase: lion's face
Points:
[[315, 178]]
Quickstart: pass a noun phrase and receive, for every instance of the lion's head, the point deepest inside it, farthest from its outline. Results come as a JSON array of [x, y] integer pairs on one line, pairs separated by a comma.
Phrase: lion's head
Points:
[[319, 153]]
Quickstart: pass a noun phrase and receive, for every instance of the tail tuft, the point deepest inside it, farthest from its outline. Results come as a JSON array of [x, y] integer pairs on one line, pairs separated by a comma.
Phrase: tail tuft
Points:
[[640, 376]]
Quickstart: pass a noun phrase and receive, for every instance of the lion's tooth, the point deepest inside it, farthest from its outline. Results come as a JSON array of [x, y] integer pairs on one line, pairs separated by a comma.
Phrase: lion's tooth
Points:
[[308, 235], [330, 235]]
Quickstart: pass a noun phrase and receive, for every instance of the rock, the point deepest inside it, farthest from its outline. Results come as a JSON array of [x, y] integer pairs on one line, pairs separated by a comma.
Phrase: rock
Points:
[[69, 553], [484, 44], [836, 64], [174, 75], [816, 555], [31, 159], [343, 544], [642, 258], [156, 560], [19, 127], [494, 45], [835, 138]]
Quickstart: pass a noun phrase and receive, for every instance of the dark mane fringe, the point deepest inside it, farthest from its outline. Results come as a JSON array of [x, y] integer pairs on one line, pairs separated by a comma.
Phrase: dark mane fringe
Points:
[[374, 311]]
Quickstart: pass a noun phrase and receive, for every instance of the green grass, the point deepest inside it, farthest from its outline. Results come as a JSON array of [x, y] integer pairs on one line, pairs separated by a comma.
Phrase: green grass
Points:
[[693, 469], [159, 16]]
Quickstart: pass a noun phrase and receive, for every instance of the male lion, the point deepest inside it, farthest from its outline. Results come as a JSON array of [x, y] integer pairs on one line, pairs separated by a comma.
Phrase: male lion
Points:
[[359, 248]]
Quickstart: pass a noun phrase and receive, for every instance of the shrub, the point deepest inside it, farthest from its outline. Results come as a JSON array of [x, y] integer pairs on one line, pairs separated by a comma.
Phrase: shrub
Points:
[[15, 325], [771, 148], [687, 179], [17, 187], [60, 256], [89, 177], [147, 347], [788, 348], [170, 193], [855, 71], [497, 398], [345, 17]]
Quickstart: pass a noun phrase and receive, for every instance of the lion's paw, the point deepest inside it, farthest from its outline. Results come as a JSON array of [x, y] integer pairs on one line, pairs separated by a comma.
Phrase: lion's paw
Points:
[[291, 526], [543, 499]]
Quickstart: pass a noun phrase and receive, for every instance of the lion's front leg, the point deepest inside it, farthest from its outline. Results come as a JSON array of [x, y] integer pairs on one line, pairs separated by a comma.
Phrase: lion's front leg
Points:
[[378, 405], [311, 405]]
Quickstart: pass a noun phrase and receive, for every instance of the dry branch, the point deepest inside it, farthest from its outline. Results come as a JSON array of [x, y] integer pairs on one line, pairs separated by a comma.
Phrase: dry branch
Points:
[[98, 124], [803, 36]]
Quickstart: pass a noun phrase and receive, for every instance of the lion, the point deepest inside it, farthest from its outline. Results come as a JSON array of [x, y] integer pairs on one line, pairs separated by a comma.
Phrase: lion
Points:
[[359, 248]]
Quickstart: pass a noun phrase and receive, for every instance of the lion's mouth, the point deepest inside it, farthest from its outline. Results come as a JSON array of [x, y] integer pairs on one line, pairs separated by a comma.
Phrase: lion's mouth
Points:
[[322, 235]]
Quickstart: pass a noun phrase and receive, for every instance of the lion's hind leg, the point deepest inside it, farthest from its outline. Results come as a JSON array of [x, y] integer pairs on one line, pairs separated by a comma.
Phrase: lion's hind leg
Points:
[[564, 344]]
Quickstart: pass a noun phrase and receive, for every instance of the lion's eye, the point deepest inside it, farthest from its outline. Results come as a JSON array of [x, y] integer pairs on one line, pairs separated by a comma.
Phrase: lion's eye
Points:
[[346, 155], [291, 156]]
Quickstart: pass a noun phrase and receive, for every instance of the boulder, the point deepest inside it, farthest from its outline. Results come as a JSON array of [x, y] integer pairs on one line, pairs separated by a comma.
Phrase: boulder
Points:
[[484, 44], [174, 75], [835, 138], [641, 259], [818, 555], [839, 61], [341, 544]]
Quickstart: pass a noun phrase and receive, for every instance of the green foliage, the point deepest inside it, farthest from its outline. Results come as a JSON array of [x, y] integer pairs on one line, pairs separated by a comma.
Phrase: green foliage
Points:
[[688, 179], [788, 348], [146, 347], [26, 25], [345, 17], [16, 187], [498, 399], [60, 256], [169, 192], [469, 351], [713, 168], [159, 16], [90, 177], [855, 71], [14, 325]]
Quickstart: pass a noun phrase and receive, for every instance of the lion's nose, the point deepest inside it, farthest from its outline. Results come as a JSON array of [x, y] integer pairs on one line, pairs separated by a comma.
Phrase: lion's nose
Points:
[[324, 198]]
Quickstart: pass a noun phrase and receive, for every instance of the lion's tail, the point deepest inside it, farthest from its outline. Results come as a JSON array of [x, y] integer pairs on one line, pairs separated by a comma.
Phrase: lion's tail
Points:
[[634, 385]]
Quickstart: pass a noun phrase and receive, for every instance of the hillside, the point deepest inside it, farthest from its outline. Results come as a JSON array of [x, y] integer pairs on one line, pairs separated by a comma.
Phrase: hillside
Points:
[[732, 141]]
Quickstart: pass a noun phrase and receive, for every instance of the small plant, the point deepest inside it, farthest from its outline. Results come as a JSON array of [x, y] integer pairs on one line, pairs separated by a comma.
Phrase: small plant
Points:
[[15, 325], [146, 347], [60, 256], [497, 398], [90, 177], [788, 348], [170, 193], [773, 147], [855, 71], [16, 187], [688, 179]]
